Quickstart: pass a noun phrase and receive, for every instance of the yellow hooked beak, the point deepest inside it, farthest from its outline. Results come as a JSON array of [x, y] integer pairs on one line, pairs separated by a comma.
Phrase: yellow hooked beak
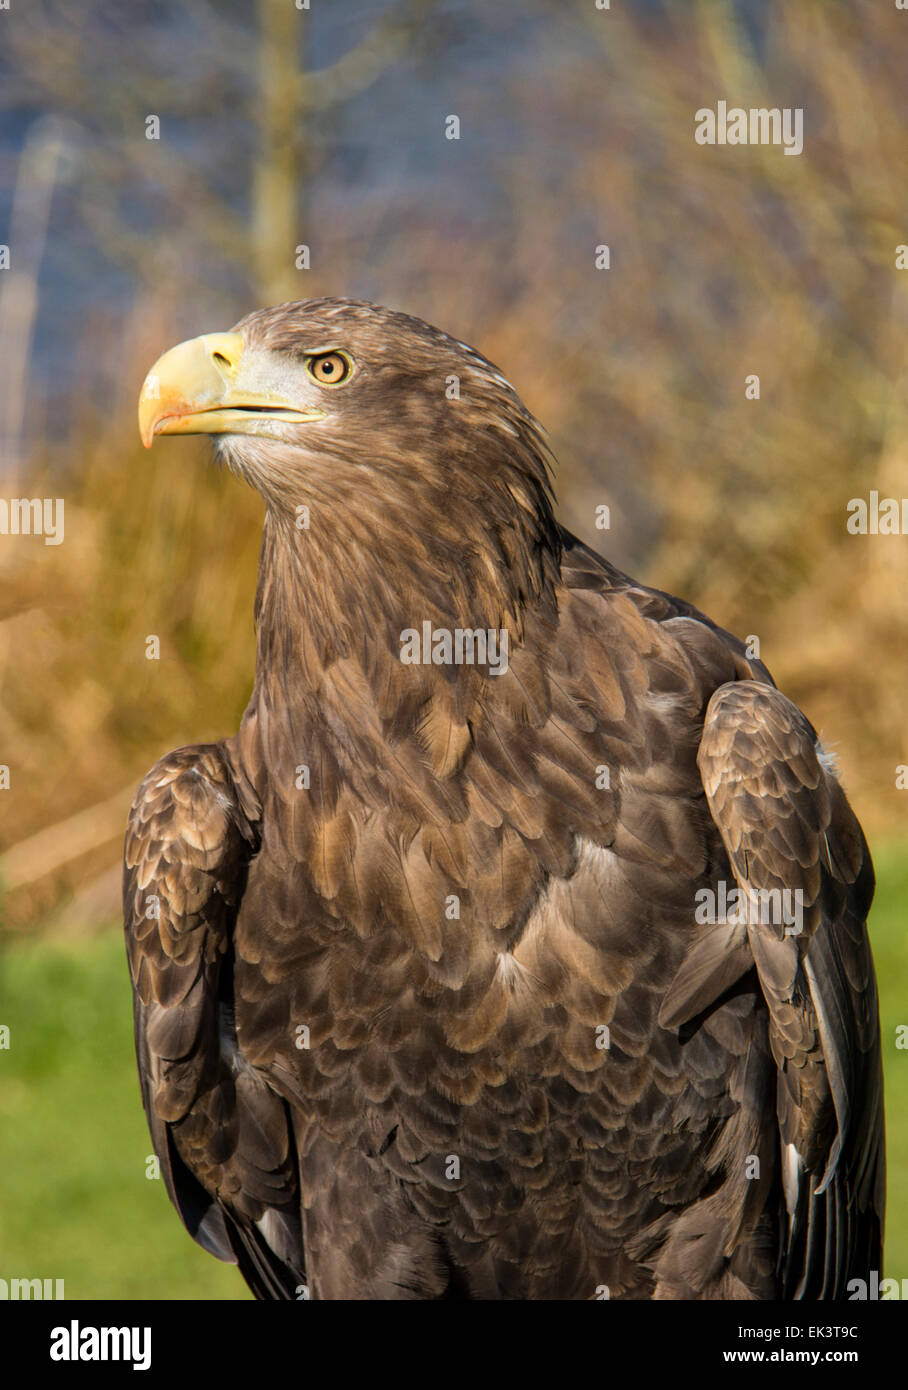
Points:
[[198, 387]]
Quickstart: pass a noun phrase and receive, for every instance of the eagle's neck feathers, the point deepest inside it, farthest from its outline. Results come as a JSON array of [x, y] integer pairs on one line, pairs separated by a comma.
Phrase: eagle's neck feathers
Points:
[[344, 578]]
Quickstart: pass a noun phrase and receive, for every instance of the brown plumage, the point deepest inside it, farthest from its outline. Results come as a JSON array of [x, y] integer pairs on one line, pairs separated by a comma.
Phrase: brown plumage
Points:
[[426, 1004]]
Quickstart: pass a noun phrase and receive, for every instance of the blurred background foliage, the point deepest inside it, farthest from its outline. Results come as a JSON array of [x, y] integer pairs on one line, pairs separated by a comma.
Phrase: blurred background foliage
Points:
[[281, 127]]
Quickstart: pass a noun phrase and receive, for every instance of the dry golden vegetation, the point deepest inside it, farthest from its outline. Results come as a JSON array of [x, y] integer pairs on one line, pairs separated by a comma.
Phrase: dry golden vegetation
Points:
[[724, 262]]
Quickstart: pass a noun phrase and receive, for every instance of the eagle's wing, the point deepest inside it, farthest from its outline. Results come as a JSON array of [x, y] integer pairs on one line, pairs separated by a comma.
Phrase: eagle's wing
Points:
[[223, 1137], [786, 825]]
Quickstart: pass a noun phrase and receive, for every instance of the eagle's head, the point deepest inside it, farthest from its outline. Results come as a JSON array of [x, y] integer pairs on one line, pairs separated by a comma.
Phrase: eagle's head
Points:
[[408, 452]]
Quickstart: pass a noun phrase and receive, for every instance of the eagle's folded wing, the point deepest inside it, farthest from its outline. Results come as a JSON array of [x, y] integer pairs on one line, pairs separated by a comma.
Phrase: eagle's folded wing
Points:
[[221, 1134], [805, 883]]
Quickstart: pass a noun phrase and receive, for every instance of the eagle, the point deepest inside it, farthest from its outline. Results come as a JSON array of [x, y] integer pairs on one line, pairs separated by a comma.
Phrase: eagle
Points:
[[515, 945]]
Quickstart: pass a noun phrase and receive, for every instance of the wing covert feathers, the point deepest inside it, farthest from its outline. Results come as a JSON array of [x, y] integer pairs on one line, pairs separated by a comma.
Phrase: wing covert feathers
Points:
[[788, 830], [221, 1134]]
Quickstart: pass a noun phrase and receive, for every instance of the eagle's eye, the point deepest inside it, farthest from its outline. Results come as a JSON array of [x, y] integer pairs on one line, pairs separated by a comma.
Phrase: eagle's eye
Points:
[[329, 368]]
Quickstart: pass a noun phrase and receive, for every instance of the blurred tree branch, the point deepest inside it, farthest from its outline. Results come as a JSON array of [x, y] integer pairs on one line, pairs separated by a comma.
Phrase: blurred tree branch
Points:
[[55, 58], [358, 68], [39, 162]]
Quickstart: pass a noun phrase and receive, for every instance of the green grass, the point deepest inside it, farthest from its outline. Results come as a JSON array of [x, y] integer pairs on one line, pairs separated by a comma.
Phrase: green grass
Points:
[[889, 938], [75, 1203], [74, 1199]]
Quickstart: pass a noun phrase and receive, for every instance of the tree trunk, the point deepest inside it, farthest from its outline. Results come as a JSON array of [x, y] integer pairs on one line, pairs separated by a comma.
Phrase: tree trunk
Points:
[[277, 194]]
